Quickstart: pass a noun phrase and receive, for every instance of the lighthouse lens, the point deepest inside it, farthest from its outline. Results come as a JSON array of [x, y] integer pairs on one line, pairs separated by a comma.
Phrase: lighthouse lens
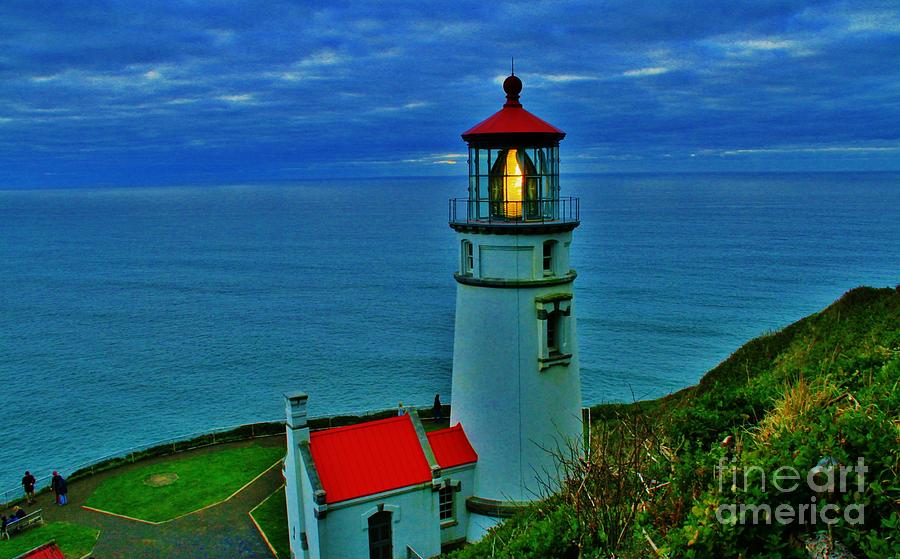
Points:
[[512, 185]]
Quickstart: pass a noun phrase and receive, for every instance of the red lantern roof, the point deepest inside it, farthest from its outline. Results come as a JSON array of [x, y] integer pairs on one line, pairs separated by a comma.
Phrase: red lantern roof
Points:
[[382, 455], [512, 124]]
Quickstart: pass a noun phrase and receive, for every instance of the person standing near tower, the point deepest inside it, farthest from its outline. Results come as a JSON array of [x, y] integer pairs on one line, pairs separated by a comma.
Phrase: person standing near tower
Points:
[[59, 486], [28, 482], [437, 410]]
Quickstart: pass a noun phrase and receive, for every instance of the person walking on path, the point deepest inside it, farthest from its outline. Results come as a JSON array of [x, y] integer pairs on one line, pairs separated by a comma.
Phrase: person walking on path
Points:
[[28, 482], [59, 486], [437, 411]]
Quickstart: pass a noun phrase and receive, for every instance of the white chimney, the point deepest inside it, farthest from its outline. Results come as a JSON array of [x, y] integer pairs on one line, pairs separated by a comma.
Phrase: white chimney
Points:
[[295, 409]]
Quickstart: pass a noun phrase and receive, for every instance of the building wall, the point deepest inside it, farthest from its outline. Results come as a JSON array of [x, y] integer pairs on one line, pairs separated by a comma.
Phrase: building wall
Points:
[[514, 409], [344, 533], [310, 523], [514, 256], [465, 475], [293, 495]]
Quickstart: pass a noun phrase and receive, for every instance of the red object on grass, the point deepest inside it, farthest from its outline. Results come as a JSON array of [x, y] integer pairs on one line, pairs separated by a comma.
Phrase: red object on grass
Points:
[[368, 458], [451, 447], [46, 551]]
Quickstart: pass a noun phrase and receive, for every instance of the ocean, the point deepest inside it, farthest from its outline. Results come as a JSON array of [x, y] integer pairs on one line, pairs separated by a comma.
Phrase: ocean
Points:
[[129, 315]]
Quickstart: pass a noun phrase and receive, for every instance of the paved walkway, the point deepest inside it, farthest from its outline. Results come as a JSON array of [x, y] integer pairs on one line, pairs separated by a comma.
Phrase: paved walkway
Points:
[[221, 532]]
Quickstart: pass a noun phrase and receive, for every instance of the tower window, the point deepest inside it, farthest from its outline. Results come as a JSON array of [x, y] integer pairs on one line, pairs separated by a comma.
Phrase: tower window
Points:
[[549, 247], [468, 257], [553, 332], [554, 328], [445, 503]]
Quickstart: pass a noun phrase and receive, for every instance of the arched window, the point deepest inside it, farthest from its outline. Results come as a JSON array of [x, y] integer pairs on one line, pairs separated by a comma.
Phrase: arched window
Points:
[[381, 544], [468, 258]]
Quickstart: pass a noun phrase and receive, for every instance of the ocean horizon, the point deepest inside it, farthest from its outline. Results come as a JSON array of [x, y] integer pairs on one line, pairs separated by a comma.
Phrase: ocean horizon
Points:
[[134, 314]]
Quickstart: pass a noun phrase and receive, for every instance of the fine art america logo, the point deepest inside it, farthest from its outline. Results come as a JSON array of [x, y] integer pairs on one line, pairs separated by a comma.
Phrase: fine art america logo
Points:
[[826, 480]]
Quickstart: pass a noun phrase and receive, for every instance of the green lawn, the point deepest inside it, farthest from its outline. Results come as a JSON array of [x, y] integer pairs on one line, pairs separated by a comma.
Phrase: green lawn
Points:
[[74, 540], [271, 516], [182, 484]]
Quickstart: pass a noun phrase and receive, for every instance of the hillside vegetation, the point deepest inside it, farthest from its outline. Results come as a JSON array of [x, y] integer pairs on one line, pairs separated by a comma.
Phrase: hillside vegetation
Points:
[[695, 474]]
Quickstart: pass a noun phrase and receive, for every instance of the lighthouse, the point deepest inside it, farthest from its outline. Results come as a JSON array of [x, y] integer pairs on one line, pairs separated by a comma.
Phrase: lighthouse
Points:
[[516, 387]]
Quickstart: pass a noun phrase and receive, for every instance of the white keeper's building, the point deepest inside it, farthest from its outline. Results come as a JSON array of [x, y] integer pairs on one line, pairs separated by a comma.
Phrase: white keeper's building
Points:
[[386, 488]]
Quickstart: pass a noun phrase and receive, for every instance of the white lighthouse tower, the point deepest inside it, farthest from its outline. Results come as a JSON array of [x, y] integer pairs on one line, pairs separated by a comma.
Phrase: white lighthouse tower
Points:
[[516, 387]]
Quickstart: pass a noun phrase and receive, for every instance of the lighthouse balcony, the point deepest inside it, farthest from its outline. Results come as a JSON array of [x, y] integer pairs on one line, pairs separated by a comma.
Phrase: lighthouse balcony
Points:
[[539, 212]]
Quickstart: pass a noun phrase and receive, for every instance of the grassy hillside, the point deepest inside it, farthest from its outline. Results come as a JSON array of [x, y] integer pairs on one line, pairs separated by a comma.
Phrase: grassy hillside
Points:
[[694, 474]]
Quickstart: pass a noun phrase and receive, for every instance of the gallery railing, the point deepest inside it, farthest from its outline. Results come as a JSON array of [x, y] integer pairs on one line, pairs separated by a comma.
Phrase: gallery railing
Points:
[[539, 210]]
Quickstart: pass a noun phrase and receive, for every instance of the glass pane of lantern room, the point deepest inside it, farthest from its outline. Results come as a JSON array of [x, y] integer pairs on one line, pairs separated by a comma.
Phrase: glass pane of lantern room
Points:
[[540, 164], [483, 163]]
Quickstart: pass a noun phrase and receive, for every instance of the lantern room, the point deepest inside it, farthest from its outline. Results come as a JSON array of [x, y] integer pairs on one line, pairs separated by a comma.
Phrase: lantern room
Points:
[[513, 168]]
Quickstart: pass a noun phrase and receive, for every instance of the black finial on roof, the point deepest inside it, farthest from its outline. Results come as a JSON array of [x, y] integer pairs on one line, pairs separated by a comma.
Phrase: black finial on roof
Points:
[[512, 86], [512, 66]]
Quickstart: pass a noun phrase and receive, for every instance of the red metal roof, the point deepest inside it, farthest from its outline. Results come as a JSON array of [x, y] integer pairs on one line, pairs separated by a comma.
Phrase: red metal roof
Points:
[[46, 551], [451, 447], [368, 458], [513, 119]]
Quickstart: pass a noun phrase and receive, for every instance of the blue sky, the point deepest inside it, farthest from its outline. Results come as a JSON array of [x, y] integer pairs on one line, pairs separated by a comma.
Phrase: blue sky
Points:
[[224, 92]]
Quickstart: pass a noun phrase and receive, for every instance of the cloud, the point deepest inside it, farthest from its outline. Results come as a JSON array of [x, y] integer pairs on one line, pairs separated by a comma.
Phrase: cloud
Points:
[[239, 98], [641, 72], [437, 159], [814, 150], [875, 21], [742, 46], [413, 105], [765, 44], [326, 57]]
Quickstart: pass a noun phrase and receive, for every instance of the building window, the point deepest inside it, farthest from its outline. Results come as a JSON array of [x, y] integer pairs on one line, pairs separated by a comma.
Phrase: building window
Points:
[[549, 247], [381, 544], [445, 502], [553, 326], [468, 257]]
